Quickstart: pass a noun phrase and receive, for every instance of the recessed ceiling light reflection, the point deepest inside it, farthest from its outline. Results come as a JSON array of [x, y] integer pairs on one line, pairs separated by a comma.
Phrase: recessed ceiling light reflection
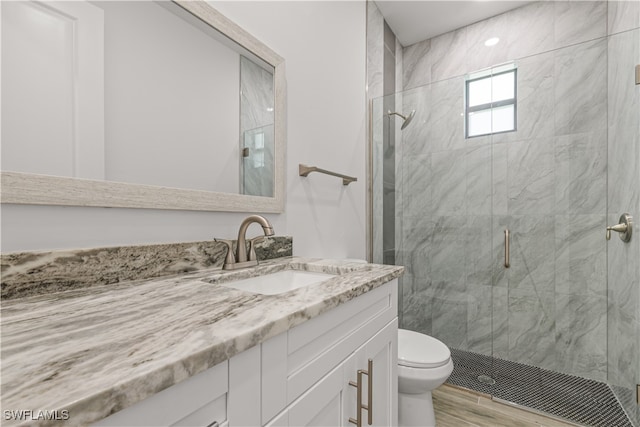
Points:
[[492, 41]]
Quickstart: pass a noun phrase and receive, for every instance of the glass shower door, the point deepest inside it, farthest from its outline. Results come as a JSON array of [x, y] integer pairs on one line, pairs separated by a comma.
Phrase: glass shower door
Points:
[[549, 180], [623, 266]]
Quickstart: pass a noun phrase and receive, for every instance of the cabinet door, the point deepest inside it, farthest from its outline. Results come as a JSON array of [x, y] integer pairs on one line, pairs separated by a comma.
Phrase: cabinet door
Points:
[[322, 404], [198, 400], [381, 349]]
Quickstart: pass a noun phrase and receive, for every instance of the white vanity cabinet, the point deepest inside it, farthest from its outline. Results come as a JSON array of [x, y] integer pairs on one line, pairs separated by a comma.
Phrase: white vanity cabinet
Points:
[[197, 401], [306, 372], [302, 377], [332, 401]]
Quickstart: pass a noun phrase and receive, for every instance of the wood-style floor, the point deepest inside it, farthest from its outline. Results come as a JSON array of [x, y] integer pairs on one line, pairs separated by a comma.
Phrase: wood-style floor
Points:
[[455, 407]]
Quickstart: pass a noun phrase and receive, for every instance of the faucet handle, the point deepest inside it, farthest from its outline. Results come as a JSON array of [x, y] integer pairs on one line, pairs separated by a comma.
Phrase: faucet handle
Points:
[[252, 247], [230, 258]]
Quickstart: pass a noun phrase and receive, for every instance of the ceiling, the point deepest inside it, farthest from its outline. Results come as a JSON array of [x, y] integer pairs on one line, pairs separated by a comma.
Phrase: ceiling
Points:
[[414, 21]]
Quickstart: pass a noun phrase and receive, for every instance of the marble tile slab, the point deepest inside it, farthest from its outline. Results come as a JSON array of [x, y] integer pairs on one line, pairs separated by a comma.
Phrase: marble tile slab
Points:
[[581, 173], [417, 313], [581, 255], [477, 168], [415, 137], [622, 15], [479, 319], [535, 103], [532, 253], [580, 87], [530, 29], [34, 273], [531, 177], [579, 21], [447, 247], [446, 119], [581, 335], [478, 252], [94, 351], [532, 322], [449, 53], [375, 49], [416, 65], [448, 185]]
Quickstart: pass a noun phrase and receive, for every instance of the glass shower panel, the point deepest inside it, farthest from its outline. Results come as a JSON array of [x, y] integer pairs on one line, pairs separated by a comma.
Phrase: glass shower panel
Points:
[[386, 182], [623, 267], [385, 179], [549, 188], [443, 214]]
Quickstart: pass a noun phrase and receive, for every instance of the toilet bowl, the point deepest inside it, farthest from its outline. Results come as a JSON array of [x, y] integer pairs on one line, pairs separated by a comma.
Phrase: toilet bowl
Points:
[[424, 363]]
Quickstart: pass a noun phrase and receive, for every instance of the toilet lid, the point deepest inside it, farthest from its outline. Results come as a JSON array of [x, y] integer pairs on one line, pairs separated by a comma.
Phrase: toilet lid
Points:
[[417, 350]]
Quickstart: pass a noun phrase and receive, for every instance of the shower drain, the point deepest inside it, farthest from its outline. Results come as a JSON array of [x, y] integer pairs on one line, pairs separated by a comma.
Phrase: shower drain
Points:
[[486, 379], [572, 398]]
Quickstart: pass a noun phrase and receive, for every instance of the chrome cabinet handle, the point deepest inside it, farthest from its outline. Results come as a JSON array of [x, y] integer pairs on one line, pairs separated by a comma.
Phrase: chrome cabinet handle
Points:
[[507, 255], [369, 407], [214, 424], [358, 386], [360, 406]]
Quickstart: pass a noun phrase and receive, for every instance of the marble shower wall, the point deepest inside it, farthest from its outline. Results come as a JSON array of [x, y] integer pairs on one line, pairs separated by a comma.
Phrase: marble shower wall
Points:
[[546, 182]]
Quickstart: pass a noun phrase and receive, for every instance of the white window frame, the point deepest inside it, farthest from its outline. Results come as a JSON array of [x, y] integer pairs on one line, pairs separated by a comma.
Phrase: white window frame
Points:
[[491, 105]]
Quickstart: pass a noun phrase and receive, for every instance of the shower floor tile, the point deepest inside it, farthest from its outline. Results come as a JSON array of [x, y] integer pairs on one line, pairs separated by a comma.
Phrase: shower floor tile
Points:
[[578, 400]]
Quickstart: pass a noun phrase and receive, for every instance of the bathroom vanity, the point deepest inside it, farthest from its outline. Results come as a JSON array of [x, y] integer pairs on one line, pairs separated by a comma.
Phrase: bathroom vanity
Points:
[[192, 350]]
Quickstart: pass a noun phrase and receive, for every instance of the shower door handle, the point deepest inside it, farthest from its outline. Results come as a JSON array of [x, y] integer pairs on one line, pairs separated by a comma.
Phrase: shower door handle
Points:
[[507, 262]]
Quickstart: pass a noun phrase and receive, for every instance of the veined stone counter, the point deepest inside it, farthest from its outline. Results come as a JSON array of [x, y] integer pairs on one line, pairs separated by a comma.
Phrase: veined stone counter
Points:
[[94, 351]]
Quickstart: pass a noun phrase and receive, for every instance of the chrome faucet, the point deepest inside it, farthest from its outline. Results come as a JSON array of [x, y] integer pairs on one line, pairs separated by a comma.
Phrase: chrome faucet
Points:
[[240, 260]]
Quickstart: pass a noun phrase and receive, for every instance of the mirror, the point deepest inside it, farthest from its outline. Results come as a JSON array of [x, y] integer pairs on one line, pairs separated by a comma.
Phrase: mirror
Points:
[[140, 104]]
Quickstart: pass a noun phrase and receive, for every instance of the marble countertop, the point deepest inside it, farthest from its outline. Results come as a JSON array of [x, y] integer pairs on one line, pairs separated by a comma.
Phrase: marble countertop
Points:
[[95, 351]]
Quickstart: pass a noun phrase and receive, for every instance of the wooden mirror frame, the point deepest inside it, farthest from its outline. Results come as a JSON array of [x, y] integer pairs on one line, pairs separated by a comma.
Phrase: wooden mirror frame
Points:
[[34, 189]]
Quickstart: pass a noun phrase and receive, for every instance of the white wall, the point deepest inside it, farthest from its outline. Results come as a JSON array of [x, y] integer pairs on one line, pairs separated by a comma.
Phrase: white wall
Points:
[[323, 44]]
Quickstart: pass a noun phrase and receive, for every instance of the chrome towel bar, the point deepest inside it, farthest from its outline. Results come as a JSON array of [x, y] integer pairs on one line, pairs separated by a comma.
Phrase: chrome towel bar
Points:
[[304, 170]]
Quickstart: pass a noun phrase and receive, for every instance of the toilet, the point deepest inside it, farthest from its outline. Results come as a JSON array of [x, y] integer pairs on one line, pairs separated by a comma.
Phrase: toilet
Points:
[[424, 363]]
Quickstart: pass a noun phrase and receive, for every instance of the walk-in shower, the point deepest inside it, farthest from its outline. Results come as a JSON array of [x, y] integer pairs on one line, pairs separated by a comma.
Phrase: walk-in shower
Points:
[[559, 329]]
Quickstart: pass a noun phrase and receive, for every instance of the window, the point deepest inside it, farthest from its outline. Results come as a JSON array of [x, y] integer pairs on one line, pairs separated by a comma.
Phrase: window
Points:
[[491, 101]]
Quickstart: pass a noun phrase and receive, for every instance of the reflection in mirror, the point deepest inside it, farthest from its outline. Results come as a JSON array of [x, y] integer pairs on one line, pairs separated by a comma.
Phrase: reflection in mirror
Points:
[[256, 128], [134, 92]]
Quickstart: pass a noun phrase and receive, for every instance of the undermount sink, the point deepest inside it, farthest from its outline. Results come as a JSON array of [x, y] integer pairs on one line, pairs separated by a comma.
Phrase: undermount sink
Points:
[[278, 283]]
